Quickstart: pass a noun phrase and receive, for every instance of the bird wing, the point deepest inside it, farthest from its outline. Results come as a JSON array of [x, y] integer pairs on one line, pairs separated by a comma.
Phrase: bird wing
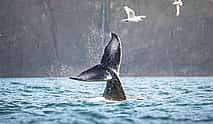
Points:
[[142, 16], [178, 2], [177, 10], [129, 11], [181, 3], [175, 2]]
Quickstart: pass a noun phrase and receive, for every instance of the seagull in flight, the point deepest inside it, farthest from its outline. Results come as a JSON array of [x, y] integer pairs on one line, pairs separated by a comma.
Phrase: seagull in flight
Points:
[[178, 4], [131, 17]]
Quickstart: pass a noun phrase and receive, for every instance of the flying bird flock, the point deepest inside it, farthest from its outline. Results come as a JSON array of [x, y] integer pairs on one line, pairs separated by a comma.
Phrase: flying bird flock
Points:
[[131, 16]]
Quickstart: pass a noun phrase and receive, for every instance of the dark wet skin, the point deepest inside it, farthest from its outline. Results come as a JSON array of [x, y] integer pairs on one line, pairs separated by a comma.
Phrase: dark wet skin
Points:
[[114, 90]]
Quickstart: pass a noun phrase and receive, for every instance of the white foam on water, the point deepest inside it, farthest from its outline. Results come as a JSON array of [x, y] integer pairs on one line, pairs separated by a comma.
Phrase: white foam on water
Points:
[[100, 99]]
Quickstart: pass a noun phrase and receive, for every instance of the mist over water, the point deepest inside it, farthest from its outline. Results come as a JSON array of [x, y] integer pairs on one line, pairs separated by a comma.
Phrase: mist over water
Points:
[[150, 100]]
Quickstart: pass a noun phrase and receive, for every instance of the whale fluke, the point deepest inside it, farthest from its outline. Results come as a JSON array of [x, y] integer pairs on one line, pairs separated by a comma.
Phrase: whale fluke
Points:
[[112, 53], [107, 70], [96, 73]]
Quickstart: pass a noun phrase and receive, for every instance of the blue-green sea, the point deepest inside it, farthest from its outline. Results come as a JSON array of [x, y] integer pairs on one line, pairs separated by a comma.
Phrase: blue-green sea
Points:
[[150, 100]]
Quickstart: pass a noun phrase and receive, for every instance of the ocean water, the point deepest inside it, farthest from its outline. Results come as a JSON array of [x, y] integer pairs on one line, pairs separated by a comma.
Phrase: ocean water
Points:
[[151, 100]]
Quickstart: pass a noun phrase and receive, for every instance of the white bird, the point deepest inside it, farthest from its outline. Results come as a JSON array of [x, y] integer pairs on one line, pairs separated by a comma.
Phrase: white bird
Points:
[[131, 17], [178, 4]]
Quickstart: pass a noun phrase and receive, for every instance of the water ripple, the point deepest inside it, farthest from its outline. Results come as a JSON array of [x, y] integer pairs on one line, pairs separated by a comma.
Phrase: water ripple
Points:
[[150, 100]]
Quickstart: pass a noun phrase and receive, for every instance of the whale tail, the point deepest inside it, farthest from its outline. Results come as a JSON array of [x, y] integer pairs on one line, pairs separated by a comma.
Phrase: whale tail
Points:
[[111, 59], [107, 70]]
